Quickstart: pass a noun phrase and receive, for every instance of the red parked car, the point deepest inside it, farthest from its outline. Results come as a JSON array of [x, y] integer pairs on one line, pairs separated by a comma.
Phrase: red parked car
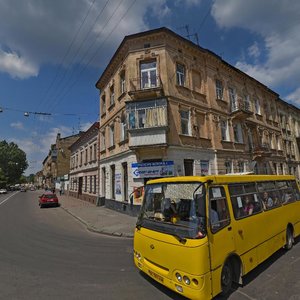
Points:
[[48, 199]]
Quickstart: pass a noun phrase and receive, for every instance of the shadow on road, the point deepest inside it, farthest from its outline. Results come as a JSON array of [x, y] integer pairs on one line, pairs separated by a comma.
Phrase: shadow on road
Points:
[[247, 279]]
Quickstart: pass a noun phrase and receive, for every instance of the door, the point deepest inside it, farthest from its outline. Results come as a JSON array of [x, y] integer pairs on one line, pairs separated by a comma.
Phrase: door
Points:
[[125, 182], [80, 186], [220, 234]]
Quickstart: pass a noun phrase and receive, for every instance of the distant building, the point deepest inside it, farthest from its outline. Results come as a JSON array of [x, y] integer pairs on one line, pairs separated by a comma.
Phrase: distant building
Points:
[[84, 169], [169, 107], [57, 163]]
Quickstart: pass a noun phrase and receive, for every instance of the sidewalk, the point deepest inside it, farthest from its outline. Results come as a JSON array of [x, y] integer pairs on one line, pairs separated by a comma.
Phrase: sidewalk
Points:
[[99, 218]]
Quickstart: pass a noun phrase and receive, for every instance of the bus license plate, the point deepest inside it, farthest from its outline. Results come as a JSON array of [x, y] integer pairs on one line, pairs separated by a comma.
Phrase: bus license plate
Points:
[[156, 276]]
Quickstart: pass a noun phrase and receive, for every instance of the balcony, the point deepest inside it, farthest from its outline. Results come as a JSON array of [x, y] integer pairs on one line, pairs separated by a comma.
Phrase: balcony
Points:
[[147, 122], [262, 150], [241, 110], [141, 88]]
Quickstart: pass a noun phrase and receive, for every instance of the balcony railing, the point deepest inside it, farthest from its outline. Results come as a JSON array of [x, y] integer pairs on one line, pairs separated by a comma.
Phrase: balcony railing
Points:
[[145, 87], [241, 106]]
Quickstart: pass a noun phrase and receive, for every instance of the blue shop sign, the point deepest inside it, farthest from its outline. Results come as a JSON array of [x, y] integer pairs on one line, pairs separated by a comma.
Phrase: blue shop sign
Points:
[[153, 169]]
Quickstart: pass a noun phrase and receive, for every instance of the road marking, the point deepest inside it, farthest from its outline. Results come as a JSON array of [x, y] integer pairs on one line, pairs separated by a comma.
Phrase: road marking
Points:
[[7, 198], [295, 261], [247, 296]]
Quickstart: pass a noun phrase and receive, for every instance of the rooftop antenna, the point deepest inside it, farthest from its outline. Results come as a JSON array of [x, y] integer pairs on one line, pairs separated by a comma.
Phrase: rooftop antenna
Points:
[[188, 35], [79, 125]]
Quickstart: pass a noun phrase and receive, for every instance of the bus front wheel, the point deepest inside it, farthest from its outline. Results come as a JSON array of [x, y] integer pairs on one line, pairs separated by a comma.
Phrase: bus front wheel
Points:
[[226, 278], [289, 239]]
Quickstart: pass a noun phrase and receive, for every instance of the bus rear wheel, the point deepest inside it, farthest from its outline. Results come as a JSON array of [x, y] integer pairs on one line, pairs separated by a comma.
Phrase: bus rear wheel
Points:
[[289, 239], [226, 278]]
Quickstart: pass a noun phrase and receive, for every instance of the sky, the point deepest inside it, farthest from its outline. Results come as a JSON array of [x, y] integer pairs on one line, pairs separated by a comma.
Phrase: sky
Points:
[[53, 52]]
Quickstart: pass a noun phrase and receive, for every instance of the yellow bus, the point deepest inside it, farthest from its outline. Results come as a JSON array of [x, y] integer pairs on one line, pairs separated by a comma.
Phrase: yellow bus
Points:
[[199, 236]]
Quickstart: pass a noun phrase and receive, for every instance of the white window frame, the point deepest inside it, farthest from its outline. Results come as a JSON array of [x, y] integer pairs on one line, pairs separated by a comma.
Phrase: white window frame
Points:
[[102, 140], [186, 121], [180, 74], [148, 71], [232, 99], [112, 94], [224, 130], [257, 106], [228, 167], [112, 135], [219, 89], [238, 133], [122, 82]]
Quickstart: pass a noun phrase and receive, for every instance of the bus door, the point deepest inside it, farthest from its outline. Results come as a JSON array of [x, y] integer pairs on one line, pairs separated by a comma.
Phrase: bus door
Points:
[[220, 234]]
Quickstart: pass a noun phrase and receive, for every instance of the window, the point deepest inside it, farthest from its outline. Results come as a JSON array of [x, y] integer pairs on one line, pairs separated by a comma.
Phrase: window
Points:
[[188, 167], [122, 82], [103, 182], [238, 133], [278, 142], [102, 140], [218, 209], [81, 158], [224, 130], [86, 156], [180, 74], [245, 199], [95, 184], [241, 166], [103, 104], [185, 122], [112, 135], [147, 114], [257, 106], [112, 178], [228, 167], [112, 94], [95, 152], [204, 167], [148, 75], [85, 183], [219, 89], [247, 104], [123, 128], [91, 153], [91, 183], [232, 99]]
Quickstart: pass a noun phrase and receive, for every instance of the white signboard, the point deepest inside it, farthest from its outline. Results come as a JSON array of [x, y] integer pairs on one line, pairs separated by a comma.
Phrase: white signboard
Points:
[[152, 169]]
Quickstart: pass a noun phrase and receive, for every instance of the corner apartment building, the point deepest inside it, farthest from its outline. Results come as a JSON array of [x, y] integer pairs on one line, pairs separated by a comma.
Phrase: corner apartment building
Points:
[[84, 179], [57, 163], [169, 107]]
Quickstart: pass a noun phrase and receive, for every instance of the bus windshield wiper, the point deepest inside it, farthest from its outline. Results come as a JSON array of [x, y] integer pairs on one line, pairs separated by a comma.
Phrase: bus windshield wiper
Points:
[[181, 239]]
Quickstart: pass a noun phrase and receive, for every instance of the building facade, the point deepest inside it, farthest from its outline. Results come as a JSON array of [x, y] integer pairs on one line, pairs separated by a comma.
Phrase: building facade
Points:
[[169, 107], [56, 165], [84, 169]]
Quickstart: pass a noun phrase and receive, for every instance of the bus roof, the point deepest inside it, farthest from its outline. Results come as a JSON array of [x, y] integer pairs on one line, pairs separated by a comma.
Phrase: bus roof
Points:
[[222, 179]]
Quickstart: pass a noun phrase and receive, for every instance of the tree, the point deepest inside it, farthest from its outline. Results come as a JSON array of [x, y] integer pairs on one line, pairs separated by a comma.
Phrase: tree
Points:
[[12, 161]]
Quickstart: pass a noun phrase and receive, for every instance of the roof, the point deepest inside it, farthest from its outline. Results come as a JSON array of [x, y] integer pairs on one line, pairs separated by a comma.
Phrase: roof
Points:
[[175, 35]]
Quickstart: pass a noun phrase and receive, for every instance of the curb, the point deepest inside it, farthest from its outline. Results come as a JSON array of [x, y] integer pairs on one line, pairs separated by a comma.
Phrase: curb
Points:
[[95, 230]]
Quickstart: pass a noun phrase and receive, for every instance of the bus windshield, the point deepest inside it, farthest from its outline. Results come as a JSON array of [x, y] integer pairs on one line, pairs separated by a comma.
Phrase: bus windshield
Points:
[[175, 208]]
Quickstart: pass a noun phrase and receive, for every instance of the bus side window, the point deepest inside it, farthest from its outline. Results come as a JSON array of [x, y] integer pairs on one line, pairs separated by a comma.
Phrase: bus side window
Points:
[[296, 190], [218, 209]]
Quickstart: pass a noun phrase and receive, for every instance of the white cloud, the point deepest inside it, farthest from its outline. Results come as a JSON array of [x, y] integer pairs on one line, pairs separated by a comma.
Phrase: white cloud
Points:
[[294, 97], [34, 32], [254, 51], [37, 148], [16, 66], [278, 23], [17, 125]]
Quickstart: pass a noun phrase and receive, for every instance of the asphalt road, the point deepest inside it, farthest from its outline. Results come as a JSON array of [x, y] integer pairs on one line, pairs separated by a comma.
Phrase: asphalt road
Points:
[[47, 254]]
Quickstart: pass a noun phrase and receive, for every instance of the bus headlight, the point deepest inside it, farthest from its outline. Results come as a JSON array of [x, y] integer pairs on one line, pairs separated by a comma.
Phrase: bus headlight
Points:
[[178, 276], [186, 280]]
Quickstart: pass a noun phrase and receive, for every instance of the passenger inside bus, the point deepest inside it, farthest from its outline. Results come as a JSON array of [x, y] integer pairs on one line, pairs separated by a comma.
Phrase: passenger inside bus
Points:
[[248, 207], [267, 200]]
